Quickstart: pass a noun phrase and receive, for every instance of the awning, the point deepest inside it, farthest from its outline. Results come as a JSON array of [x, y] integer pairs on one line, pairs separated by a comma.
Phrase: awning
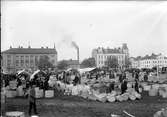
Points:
[[85, 70]]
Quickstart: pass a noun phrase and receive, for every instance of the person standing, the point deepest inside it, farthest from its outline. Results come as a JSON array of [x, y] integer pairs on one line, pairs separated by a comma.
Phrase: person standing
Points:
[[111, 87], [145, 77], [137, 76], [124, 86], [136, 86], [32, 99]]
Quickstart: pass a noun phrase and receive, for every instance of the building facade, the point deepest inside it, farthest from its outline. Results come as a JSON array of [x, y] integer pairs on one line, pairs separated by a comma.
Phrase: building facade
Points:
[[15, 59], [101, 55], [149, 61], [74, 64]]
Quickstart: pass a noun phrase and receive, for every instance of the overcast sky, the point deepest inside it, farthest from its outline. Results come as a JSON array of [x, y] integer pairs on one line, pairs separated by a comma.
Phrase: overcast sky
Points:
[[142, 25]]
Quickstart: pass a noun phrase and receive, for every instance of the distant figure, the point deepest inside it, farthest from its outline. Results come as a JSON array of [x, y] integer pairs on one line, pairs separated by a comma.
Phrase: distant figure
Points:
[[32, 99], [124, 76], [145, 77], [76, 80], [136, 86], [120, 78], [137, 76], [111, 87], [133, 74], [124, 86]]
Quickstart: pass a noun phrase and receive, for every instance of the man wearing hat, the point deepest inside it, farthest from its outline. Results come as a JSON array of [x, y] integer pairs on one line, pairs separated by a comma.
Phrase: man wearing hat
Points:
[[32, 99]]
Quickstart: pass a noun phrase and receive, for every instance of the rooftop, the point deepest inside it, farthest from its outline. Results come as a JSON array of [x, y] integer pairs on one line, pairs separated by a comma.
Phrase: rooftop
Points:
[[152, 56], [108, 50], [30, 51]]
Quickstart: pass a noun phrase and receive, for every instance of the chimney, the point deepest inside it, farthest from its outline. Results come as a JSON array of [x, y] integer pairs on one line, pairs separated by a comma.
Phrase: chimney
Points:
[[78, 55], [10, 47]]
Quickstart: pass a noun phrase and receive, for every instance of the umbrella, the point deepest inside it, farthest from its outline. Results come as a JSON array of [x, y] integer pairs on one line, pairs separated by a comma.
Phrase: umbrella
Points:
[[37, 72], [32, 76], [21, 71]]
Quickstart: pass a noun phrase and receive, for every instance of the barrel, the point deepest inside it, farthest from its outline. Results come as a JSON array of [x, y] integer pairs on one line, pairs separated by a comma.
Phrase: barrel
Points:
[[147, 87], [103, 99], [164, 95], [119, 98], [113, 115], [155, 86], [13, 84], [34, 116], [49, 93], [39, 93], [153, 92], [36, 88], [15, 114], [10, 94], [20, 91], [137, 95], [132, 97], [111, 98]]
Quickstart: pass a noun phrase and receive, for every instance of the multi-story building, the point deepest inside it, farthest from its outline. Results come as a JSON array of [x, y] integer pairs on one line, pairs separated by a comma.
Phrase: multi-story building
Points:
[[135, 62], [101, 55], [149, 61], [15, 59]]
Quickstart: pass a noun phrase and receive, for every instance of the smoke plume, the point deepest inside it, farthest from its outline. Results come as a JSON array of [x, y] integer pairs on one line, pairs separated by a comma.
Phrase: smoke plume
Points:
[[74, 45], [67, 40]]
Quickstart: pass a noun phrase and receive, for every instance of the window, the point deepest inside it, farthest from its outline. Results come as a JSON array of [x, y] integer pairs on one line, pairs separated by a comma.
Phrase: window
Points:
[[53, 55], [27, 62], [53, 61], [22, 63], [8, 62], [22, 57], [17, 62], [8, 56], [31, 61]]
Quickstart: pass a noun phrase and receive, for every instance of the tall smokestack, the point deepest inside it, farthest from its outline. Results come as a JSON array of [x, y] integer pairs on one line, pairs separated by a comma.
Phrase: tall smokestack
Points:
[[77, 48], [78, 55]]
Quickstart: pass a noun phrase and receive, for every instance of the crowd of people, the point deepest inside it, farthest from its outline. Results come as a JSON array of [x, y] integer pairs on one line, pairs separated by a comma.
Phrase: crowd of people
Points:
[[74, 77]]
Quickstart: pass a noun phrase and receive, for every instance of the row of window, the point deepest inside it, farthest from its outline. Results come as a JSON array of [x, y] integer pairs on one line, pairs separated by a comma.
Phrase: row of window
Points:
[[31, 56], [103, 62], [105, 57], [148, 62], [27, 56], [21, 63], [26, 64]]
